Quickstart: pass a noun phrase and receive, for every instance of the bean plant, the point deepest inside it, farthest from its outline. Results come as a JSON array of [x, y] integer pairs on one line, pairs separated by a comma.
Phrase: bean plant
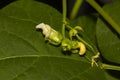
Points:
[[37, 42]]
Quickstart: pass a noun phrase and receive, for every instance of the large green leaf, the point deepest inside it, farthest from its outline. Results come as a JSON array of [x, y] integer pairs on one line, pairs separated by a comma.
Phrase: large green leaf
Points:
[[24, 55], [108, 40], [18, 21], [88, 23]]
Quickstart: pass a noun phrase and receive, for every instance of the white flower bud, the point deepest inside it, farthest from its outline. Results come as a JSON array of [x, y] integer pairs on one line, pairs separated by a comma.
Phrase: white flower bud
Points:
[[46, 29], [53, 36]]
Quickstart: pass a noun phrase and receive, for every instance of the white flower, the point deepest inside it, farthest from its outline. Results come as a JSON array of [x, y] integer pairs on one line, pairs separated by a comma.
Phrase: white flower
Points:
[[46, 29], [53, 36]]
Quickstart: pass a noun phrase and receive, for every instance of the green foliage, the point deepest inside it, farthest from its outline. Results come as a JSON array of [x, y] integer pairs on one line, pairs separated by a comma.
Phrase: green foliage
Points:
[[108, 40], [24, 54]]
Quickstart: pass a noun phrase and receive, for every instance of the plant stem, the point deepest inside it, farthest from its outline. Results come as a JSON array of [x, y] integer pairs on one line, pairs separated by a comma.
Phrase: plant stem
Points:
[[96, 6], [75, 8], [79, 38], [64, 4], [111, 67]]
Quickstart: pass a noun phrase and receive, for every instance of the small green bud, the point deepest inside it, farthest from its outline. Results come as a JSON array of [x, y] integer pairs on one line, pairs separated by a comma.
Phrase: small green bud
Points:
[[75, 51], [74, 31], [73, 46], [66, 44], [69, 45]]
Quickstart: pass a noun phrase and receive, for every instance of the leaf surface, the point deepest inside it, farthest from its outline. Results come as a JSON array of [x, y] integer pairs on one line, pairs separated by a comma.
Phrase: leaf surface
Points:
[[108, 40], [24, 54]]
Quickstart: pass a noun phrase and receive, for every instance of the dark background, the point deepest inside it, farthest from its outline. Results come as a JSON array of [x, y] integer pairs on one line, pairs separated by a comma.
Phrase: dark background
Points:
[[85, 9]]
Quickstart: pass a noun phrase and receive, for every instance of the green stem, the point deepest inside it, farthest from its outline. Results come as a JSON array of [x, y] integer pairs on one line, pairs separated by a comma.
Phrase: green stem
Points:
[[111, 67], [79, 38], [105, 15], [64, 3], [75, 8]]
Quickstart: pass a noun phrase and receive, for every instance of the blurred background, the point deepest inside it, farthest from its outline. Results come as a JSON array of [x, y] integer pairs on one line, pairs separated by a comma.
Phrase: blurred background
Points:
[[84, 9]]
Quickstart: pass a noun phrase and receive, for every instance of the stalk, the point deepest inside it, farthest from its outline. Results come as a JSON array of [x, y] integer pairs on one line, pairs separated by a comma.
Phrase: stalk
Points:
[[96, 6], [111, 67], [64, 4], [75, 9]]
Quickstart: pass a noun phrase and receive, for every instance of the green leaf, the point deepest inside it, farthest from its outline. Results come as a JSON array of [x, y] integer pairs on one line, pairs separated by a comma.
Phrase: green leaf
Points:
[[46, 68], [112, 75], [19, 36], [24, 54], [88, 23], [108, 40]]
